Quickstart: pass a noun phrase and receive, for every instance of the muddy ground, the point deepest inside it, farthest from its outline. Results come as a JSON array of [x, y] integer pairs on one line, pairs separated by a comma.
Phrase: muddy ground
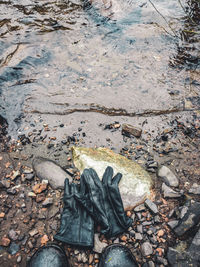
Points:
[[26, 224]]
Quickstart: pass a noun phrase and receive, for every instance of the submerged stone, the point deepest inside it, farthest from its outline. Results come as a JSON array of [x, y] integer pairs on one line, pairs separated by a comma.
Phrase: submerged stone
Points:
[[135, 185], [48, 170]]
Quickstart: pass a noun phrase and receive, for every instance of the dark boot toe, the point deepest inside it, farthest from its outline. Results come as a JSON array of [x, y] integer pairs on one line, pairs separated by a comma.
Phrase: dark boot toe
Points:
[[49, 256], [117, 255]]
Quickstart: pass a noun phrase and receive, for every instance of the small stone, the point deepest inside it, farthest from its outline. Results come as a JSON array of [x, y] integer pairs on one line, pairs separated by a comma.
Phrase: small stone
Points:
[[2, 215], [13, 249], [29, 176], [173, 224], [91, 258], [31, 194], [49, 170], [140, 208], [169, 193], [15, 174], [195, 189], [123, 238], [151, 264], [11, 191], [44, 240], [129, 130], [84, 258], [190, 219], [98, 245], [167, 175], [160, 233], [30, 244], [47, 202], [140, 228], [53, 211], [33, 232], [5, 184], [13, 235], [156, 219], [133, 217], [152, 206], [5, 242], [146, 249], [19, 259], [39, 188], [128, 213], [138, 236]]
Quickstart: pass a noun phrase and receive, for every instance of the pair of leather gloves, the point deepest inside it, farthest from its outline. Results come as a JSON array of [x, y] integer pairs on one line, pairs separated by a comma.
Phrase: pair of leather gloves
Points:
[[92, 203]]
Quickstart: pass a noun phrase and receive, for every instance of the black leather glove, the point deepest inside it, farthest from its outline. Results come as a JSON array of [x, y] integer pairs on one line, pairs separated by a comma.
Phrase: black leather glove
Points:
[[93, 199], [119, 221], [77, 226], [103, 201]]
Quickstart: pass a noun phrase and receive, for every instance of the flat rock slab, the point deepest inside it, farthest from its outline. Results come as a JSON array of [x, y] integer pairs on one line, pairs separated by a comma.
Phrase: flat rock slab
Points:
[[195, 189], [46, 169], [169, 193], [135, 185], [189, 220], [168, 176]]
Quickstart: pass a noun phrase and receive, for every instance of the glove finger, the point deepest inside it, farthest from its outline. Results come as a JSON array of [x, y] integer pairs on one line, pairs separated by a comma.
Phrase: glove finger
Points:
[[95, 177], [91, 179], [82, 185], [73, 188], [67, 187], [116, 179], [107, 176]]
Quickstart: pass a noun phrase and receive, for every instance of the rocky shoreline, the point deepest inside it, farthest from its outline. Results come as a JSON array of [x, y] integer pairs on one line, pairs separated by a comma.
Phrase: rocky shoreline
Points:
[[165, 230]]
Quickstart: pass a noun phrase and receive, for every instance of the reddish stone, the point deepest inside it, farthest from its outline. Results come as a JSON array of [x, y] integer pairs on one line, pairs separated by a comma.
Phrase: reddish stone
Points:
[[39, 188], [5, 241]]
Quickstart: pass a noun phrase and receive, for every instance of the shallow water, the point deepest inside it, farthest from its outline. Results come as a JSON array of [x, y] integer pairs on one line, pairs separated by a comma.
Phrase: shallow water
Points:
[[124, 58]]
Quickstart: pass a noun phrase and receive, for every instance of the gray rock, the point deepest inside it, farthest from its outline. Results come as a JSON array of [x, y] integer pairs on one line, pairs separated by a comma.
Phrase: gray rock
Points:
[[139, 228], [98, 245], [13, 235], [138, 236], [195, 245], [146, 249], [195, 189], [84, 257], [151, 264], [140, 208], [184, 210], [167, 175], [19, 259], [152, 206], [29, 176], [13, 249], [133, 217], [47, 202], [53, 211], [178, 258], [49, 170], [190, 219], [156, 219], [129, 130], [169, 193], [173, 224], [136, 183], [33, 232], [4, 184]]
